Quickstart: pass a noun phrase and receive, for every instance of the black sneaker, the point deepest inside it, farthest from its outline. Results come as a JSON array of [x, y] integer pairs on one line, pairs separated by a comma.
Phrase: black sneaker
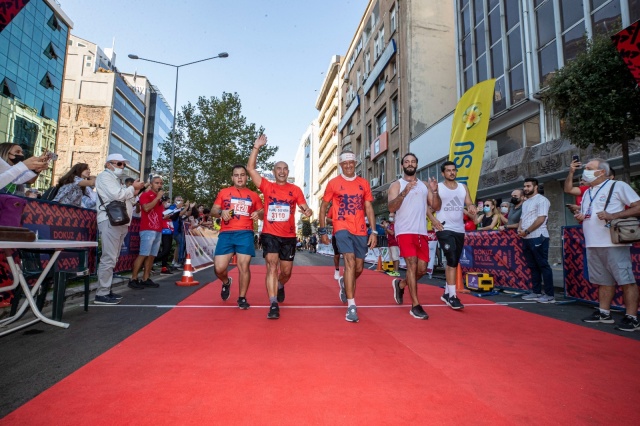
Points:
[[105, 300], [280, 295], [224, 293], [115, 296], [629, 324], [274, 311], [598, 316], [149, 283], [445, 298], [418, 312], [135, 284], [398, 292], [454, 302], [242, 303]]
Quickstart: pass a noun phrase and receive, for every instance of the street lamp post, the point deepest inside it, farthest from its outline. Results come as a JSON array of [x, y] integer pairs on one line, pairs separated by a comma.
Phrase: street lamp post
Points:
[[175, 106]]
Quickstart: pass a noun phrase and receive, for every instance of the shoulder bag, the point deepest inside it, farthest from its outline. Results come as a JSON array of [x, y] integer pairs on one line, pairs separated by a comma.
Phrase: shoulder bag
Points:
[[623, 231], [116, 212]]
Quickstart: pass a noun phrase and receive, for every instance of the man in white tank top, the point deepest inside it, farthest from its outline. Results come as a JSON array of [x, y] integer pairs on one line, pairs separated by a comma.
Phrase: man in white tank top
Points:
[[449, 226], [409, 199]]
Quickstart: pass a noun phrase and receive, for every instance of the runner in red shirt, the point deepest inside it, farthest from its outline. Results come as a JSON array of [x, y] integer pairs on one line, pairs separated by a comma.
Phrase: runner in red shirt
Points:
[[351, 197], [278, 237], [238, 207]]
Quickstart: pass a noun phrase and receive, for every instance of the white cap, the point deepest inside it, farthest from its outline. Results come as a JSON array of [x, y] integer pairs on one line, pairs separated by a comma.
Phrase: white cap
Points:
[[116, 157]]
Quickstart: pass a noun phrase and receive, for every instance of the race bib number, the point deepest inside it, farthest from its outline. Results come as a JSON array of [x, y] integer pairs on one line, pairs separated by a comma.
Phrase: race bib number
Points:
[[278, 213], [240, 206]]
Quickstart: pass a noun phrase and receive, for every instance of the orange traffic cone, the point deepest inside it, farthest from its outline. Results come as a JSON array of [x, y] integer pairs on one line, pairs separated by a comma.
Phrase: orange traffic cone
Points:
[[234, 260], [187, 274], [379, 267], [459, 283]]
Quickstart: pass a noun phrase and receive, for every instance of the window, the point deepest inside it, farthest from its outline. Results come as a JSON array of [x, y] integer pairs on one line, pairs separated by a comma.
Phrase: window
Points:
[[47, 111], [545, 24], [382, 168], [572, 12], [358, 78], [607, 19], [497, 64], [573, 42], [369, 134], [512, 12], [381, 123], [396, 161], [466, 21], [53, 23], [10, 88], [482, 68], [381, 83], [393, 19], [50, 52], [47, 81], [367, 63], [378, 45], [481, 45], [394, 112], [634, 10], [548, 63]]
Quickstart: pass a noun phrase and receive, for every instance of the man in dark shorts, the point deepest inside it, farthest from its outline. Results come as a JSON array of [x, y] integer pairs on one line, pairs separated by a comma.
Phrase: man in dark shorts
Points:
[[238, 207], [449, 226], [278, 237]]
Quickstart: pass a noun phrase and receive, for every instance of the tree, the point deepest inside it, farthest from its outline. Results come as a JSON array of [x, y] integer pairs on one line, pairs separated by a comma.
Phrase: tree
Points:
[[306, 226], [211, 137], [598, 99]]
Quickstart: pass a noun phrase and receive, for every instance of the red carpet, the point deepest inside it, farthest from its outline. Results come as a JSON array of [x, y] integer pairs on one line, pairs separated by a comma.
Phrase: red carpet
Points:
[[488, 364]]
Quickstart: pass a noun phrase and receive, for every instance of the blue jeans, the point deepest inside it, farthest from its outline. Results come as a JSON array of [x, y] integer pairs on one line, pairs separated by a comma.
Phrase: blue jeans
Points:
[[536, 253]]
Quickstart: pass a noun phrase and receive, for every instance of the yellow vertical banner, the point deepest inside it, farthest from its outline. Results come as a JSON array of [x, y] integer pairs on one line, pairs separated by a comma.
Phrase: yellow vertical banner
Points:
[[469, 133]]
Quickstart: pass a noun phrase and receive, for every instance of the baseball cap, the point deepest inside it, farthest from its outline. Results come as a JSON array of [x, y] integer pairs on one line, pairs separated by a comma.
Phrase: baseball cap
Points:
[[116, 157]]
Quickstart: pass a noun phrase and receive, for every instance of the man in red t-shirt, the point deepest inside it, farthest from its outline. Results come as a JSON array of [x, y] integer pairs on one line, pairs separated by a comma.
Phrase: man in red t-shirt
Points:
[[151, 222], [351, 198], [238, 207], [278, 237]]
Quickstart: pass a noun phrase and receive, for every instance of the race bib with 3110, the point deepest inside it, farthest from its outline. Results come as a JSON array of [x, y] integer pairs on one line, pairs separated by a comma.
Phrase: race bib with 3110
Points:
[[241, 206], [278, 213]]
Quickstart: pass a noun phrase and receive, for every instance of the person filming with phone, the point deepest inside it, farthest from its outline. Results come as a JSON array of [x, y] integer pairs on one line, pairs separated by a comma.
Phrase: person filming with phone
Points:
[[15, 170]]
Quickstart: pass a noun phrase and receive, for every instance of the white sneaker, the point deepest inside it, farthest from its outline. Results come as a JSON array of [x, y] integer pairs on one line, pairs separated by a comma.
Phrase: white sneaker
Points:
[[531, 296], [336, 275], [546, 299]]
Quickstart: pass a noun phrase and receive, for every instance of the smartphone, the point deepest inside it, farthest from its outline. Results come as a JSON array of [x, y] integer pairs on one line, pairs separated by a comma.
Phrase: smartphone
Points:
[[576, 158]]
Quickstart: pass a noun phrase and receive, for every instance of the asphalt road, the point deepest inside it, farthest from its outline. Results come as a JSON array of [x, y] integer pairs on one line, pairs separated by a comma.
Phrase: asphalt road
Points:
[[35, 358]]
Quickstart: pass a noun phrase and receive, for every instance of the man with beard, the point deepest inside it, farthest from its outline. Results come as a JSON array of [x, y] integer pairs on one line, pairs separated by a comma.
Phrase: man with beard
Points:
[[409, 198], [535, 241], [449, 226], [278, 237], [351, 197], [238, 207]]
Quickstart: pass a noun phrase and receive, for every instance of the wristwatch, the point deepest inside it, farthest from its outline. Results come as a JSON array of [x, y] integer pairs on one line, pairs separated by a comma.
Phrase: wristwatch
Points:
[[526, 231]]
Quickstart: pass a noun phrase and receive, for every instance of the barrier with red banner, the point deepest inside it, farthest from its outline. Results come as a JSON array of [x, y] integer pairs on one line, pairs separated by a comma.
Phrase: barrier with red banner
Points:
[[53, 221], [576, 276]]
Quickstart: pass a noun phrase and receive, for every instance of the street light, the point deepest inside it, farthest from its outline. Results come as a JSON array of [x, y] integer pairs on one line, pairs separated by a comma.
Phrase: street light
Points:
[[175, 106]]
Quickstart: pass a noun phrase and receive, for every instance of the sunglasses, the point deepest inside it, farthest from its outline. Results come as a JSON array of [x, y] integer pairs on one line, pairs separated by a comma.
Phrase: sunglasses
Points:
[[117, 163]]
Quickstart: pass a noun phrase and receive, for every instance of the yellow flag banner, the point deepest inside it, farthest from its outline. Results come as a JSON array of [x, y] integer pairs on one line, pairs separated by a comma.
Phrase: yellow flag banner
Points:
[[469, 133]]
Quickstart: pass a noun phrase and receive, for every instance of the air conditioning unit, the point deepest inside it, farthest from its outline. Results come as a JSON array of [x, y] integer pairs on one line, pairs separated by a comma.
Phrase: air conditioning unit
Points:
[[374, 182], [367, 153]]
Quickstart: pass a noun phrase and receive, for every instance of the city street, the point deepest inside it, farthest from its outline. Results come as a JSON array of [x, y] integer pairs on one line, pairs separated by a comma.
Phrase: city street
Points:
[[39, 356]]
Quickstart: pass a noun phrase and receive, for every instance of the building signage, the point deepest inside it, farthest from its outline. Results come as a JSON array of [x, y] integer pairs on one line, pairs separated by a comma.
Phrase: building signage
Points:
[[379, 67]]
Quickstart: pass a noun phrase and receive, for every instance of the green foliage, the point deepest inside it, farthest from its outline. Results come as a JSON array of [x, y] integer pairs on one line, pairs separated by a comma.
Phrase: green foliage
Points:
[[597, 97], [306, 226], [211, 137]]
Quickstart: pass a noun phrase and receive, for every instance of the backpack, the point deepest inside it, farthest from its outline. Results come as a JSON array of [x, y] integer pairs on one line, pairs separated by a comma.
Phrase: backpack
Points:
[[50, 193]]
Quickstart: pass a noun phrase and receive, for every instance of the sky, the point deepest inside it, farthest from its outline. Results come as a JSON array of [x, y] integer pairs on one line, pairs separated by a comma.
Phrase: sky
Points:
[[279, 52]]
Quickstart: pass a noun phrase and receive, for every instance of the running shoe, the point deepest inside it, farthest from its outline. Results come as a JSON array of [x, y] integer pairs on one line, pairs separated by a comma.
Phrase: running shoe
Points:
[[336, 274], [280, 294], [274, 311], [342, 294], [105, 300], [393, 273], [224, 293], [242, 303], [135, 284], [115, 295], [418, 312], [531, 296], [398, 292], [599, 316], [629, 324], [352, 314], [149, 283], [546, 299], [445, 298], [454, 302]]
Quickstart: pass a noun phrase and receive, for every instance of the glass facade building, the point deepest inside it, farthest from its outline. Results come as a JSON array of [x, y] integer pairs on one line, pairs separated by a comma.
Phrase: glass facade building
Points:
[[159, 127], [127, 126]]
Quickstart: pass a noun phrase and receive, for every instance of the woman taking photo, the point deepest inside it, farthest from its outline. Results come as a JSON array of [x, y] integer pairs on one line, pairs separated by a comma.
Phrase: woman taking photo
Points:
[[74, 184], [12, 154]]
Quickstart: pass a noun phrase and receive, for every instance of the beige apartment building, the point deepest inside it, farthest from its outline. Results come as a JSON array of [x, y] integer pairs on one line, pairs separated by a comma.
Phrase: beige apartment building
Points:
[[397, 79], [328, 105]]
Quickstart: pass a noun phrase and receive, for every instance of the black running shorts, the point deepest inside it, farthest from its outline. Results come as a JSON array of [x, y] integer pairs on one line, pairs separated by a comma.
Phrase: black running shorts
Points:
[[285, 247]]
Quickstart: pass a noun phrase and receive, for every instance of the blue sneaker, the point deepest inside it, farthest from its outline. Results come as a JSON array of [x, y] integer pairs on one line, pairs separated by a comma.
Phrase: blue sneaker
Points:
[[105, 300], [352, 314], [342, 294]]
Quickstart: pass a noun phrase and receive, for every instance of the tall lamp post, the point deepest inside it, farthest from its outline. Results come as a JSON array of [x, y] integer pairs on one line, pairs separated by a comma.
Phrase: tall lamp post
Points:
[[175, 106]]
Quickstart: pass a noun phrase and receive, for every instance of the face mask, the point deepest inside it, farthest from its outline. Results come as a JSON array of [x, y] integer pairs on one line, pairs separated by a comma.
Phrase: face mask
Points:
[[391, 220], [589, 176], [18, 159], [504, 210], [515, 200], [118, 171], [486, 209]]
